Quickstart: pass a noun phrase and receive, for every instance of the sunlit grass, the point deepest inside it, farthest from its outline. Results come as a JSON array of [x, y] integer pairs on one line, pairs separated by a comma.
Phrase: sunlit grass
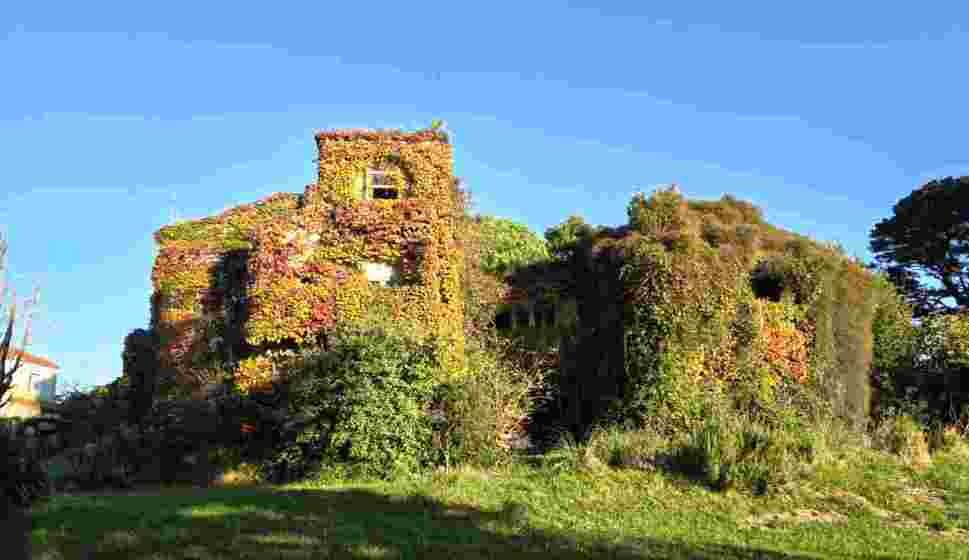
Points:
[[855, 507]]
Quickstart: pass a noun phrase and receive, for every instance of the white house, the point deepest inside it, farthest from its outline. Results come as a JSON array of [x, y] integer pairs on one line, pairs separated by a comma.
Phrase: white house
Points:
[[33, 384]]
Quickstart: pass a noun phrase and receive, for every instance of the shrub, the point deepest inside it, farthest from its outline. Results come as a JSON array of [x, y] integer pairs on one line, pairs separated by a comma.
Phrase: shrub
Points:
[[939, 521], [171, 443], [948, 439], [769, 457], [944, 439], [485, 411], [563, 239], [893, 334], [23, 480], [363, 403], [756, 475], [664, 216]]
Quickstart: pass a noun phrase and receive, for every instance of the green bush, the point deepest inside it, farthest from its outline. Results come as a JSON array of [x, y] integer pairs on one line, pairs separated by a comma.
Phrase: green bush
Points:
[[232, 467], [23, 480], [893, 334], [364, 403]]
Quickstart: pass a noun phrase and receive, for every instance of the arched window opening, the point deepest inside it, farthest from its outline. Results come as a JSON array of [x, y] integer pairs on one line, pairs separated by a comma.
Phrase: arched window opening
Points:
[[767, 285]]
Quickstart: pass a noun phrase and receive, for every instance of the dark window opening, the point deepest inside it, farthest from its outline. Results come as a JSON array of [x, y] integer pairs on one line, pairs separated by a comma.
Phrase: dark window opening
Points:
[[767, 286], [385, 193], [503, 321], [548, 316], [382, 185], [544, 316], [285, 345]]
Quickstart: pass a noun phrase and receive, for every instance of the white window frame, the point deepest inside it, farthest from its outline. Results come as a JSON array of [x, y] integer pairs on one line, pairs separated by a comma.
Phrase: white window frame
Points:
[[370, 183], [380, 273]]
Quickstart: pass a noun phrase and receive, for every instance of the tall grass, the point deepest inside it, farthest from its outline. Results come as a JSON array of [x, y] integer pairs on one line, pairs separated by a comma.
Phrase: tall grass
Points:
[[903, 436]]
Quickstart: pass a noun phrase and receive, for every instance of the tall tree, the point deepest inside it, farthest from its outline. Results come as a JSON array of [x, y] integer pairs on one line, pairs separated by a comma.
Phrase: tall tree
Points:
[[494, 247], [924, 246], [508, 245], [563, 238]]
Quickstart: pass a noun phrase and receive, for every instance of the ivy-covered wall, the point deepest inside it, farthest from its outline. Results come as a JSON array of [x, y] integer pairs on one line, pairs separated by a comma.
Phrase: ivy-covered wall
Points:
[[240, 289], [693, 298]]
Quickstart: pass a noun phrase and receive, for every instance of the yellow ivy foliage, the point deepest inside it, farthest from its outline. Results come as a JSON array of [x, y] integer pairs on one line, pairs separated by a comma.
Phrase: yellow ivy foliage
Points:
[[255, 373]]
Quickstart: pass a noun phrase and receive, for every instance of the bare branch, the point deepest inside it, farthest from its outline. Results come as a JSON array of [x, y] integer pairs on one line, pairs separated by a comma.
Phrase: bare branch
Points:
[[11, 359]]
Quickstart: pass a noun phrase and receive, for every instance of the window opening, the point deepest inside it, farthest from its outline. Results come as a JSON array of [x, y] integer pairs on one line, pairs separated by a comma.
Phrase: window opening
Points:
[[503, 321], [381, 273], [381, 185], [767, 285]]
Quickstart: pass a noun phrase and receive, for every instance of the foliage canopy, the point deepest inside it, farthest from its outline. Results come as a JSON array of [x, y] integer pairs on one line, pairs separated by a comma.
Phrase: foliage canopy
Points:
[[924, 246]]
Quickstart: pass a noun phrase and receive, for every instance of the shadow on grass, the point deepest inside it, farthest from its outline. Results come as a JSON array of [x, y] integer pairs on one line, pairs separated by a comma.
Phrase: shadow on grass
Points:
[[266, 523], [14, 533]]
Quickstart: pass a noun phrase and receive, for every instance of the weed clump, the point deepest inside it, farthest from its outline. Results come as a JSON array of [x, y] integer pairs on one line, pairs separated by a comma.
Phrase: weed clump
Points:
[[730, 449], [903, 436], [628, 449], [571, 456], [710, 453]]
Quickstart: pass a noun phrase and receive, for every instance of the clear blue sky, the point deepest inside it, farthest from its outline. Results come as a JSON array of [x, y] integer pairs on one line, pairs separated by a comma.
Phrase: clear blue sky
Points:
[[116, 118]]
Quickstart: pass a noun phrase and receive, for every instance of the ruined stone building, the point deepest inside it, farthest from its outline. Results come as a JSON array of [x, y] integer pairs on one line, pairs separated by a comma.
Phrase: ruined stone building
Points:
[[373, 239], [687, 296]]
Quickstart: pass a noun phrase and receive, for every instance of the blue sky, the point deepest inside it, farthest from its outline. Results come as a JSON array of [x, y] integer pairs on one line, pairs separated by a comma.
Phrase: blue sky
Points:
[[117, 119]]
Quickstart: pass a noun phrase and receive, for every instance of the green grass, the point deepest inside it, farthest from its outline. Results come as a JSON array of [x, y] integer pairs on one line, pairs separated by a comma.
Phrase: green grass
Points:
[[867, 506]]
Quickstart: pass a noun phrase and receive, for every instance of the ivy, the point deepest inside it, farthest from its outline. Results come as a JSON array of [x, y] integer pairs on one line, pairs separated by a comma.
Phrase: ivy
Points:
[[716, 302], [303, 257]]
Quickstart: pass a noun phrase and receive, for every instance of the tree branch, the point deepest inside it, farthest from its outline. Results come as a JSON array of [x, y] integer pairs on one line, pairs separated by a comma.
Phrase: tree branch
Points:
[[11, 360]]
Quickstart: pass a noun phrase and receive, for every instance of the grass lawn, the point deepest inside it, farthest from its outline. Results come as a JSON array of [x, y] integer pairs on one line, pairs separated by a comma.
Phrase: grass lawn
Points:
[[854, 507]]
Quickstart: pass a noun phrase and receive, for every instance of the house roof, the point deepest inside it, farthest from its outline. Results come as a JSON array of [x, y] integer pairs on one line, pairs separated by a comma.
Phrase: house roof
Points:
[[29, 358]]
